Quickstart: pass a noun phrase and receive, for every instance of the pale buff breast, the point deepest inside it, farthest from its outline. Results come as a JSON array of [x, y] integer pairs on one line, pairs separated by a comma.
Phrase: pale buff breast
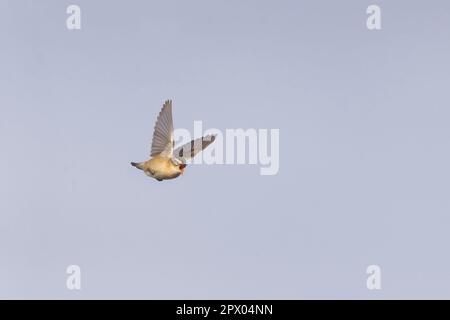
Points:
[[161, 168]]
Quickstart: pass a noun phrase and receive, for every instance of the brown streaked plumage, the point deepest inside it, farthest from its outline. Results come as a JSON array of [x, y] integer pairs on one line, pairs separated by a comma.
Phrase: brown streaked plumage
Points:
[[167, 163]]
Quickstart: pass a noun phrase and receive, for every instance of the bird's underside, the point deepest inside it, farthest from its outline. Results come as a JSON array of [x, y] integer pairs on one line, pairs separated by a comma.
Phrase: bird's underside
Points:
[[165, 162]]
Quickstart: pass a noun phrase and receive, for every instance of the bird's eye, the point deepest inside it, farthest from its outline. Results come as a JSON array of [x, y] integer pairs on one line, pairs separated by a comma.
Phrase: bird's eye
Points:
[[182, 166]]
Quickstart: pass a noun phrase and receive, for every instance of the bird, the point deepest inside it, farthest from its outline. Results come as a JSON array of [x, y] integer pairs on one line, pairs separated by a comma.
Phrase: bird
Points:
[[166, 162]]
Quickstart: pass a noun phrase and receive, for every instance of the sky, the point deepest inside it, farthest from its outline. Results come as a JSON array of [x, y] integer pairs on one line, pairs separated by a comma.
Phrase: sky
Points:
[[364, 149]]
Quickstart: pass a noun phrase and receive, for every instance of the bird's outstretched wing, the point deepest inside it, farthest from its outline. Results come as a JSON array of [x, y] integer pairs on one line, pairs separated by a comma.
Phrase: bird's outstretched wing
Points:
[[189, 150], [162, 143]]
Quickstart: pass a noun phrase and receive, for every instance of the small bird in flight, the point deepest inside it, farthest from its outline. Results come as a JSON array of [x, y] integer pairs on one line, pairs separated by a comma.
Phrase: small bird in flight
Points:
[[167, 163]]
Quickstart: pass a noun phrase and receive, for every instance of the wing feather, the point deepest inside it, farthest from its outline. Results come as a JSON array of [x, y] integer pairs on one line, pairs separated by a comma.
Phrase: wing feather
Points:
[[162, 143], [191, 149]]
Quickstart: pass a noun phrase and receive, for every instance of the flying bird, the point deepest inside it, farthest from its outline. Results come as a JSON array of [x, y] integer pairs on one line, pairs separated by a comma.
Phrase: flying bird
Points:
[[167, 162]]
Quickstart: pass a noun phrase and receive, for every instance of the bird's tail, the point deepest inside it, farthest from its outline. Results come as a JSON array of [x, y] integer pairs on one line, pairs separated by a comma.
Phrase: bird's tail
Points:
[[137, 165]]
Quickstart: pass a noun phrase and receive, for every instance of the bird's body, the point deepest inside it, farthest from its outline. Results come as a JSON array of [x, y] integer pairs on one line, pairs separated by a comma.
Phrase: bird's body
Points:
[[167, 163], [160, 168]]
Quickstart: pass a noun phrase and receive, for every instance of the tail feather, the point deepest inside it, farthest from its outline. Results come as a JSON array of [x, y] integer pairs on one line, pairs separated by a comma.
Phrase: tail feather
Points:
[[137, 165]]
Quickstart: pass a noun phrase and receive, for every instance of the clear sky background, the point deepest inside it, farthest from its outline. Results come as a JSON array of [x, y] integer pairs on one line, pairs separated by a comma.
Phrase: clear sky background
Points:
[[364, 149]]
